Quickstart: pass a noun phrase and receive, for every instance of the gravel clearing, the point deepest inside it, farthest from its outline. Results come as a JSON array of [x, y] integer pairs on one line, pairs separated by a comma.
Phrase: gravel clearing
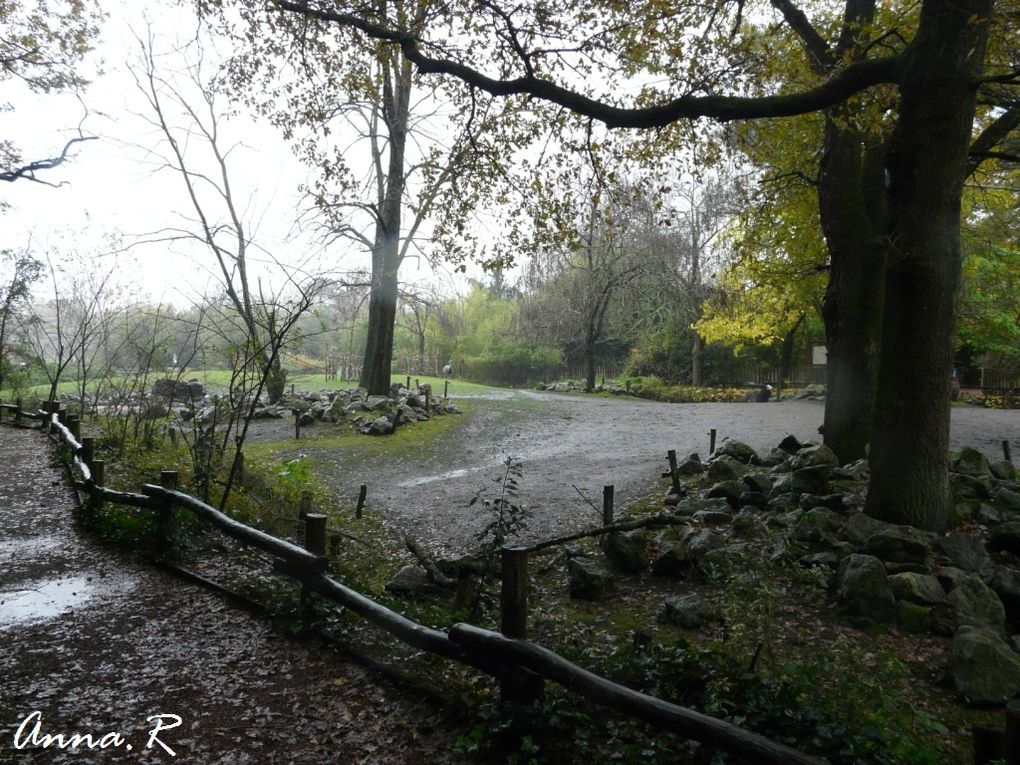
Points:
[[567, 441]]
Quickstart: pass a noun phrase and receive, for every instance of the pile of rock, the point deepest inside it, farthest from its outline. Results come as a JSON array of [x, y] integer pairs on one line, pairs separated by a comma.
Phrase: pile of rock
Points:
[[802, 506], [372, 415], [178, 390]]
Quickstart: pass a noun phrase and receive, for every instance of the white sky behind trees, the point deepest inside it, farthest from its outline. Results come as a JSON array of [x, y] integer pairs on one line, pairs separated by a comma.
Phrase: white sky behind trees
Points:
[[113, 200]]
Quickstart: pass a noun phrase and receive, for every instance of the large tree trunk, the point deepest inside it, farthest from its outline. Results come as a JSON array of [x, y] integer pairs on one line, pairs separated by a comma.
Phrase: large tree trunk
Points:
[[698, 360], [376, 370], [851, 193], [926, 165], [386, 254]]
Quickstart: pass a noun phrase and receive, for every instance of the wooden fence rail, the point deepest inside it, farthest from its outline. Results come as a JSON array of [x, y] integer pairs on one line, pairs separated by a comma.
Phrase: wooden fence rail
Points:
[[516, 662]]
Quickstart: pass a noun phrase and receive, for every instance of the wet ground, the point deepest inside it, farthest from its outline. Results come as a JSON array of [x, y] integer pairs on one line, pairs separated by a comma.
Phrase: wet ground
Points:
[[93, 643], [572, 445]]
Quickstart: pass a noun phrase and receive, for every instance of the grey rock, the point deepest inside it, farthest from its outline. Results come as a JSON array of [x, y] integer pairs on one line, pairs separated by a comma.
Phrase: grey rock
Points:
[[1003, 470], [687, 611], [897, 544], [817, 526], [950, 577], [968, 487], [381, 426], [726, 468], [863, 588], [1005, 536], [790, 445], [814, 456], [713, 517], [982, 668], [986, 515], [1006, 500], [744, 524], [753, 499], [855, 471], [589, 579], [966, 552], [728, 490], [628, 550], [691, 466], [973, 603], [917, 588], [738, 450], [970, 462], [409, 579], [1005, 582], [860, 527], [783, 503], [693, 505], [774, 459]]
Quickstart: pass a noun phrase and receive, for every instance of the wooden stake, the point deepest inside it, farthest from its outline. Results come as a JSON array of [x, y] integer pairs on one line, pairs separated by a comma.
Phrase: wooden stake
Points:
[[362, 493], [514, 619], [88, 450], [98, 479], [673, 475], [168, 480], [446, 388], [711, 441], [607, 504], [1006, 453], [297, 425], [408, 386]]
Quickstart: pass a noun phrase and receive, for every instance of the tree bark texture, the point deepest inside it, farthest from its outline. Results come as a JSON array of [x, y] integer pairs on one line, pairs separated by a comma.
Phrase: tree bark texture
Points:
[[927, 164], [851, 193]]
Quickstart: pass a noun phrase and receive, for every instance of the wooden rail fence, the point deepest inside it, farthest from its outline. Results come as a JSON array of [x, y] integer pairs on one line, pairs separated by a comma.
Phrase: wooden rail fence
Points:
[[520, 665]]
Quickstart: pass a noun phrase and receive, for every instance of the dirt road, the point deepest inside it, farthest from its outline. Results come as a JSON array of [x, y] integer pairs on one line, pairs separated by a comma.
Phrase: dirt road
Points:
[[568, 441]]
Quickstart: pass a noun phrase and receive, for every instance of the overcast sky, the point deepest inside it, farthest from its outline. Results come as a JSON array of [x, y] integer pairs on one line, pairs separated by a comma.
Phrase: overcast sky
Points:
[[111, 190]]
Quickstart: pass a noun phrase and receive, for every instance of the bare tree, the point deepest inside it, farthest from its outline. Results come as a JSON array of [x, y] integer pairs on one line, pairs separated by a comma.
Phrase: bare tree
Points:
[[184, 109]]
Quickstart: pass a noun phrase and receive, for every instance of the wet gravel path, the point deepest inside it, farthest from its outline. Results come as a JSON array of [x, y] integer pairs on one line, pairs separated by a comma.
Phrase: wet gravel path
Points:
[[95, 643], [568, 441]]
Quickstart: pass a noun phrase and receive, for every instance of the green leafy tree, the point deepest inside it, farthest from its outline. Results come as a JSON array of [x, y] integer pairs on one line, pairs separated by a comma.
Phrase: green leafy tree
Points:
[[20, 271]]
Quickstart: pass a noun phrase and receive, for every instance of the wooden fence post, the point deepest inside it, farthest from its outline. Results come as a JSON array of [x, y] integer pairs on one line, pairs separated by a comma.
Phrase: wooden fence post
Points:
[[88, 450], [514, 619], [168, 480], [98, 480], [711, 441], [315, 533], [607, 504], [674, 476], [315, 543], [297, 425], [1006, 453], [408, 386], [446, 388], [74, 425], [362, 493], [17, 412]]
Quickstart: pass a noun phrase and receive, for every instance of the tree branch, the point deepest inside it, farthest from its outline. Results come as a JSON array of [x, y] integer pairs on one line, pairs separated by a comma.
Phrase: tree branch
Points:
[[27, 172], [837, 88]]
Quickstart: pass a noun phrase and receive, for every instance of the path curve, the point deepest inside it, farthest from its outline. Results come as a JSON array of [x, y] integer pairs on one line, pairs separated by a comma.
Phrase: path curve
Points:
[[568, 441]]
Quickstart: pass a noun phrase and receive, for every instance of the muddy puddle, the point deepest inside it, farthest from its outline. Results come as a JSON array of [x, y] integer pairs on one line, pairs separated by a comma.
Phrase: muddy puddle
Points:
[[46, 599]]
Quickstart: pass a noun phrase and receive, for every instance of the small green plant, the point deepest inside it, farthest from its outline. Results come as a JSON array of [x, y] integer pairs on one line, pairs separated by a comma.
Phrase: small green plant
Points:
[[507, 518]]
